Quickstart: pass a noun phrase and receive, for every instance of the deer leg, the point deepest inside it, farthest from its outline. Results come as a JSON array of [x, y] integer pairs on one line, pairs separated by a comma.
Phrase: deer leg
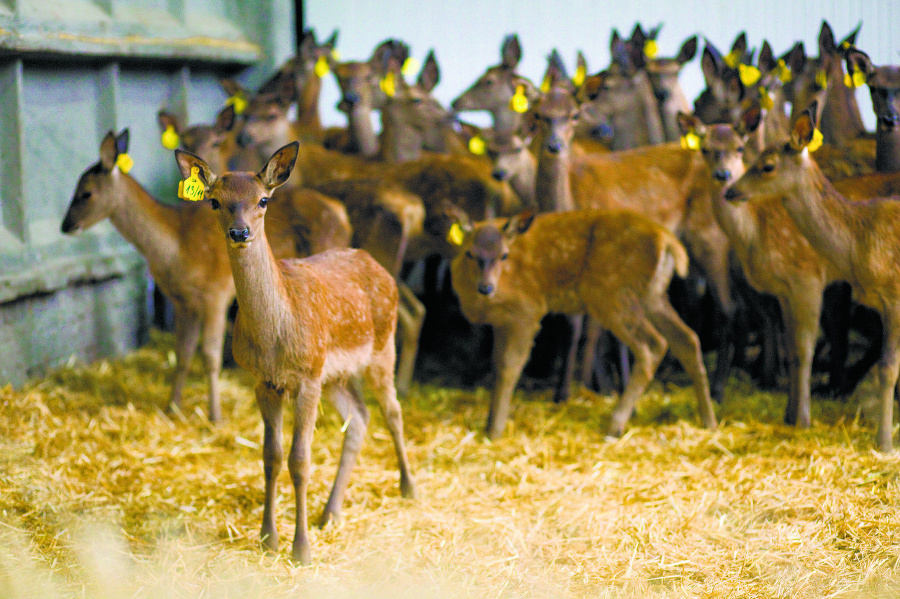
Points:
[[888, 366], [801, 322], [512, 345], [564, 384], [300, 462], [836, 327], [350, 405], [590, 369], [380, 376], [269, 401], [213, 337], [411, 315], [187, 333], [648, 347]]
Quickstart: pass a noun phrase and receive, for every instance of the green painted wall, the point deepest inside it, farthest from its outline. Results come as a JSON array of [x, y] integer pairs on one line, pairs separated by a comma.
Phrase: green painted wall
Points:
[[71, 70]]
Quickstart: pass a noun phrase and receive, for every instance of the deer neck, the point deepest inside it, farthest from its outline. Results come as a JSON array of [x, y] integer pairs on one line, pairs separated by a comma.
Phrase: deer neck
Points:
[[734, 218], [524, 179], [149, 225], [400, 144], [553, 190], [674, 103], [824, 217], [887, 150], [308, 102], [841, 118], [259, 287], [506, 120], [363, 140]]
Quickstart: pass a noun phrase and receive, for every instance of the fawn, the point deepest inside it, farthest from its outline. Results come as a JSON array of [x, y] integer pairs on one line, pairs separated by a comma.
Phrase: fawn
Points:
[[858, 239], [615, 265], [303, 327]]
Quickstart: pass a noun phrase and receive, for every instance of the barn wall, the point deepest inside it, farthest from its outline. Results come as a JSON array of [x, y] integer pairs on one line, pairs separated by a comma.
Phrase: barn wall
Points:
[[69, 72], [466, 34]]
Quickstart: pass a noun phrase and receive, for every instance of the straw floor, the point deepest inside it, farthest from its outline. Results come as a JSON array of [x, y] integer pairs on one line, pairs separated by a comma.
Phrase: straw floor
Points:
[[104, 495]]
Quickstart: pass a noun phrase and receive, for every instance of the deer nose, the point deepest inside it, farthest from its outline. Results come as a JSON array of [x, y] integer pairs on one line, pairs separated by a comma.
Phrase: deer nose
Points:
[[603, 131], [485, 288], [499, 174], [244, 140], [732, 194], [239, 235], [890, 119], [351, 98], [554, 146], [662, 94], [722, 174]]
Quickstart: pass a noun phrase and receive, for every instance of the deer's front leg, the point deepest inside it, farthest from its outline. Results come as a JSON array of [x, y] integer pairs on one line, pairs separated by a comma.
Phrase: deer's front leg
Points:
[[512, 345], [269, 399]]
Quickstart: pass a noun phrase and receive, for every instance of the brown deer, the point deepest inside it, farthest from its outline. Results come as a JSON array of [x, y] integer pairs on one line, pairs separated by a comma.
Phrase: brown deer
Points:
[[774, 255], [858, 239], [304, 327], [614, 265], [884, 88], [667, 88], [668, 184], [170, 238]]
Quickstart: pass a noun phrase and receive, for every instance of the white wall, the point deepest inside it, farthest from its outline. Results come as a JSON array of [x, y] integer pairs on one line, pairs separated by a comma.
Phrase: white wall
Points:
[[466, 34]]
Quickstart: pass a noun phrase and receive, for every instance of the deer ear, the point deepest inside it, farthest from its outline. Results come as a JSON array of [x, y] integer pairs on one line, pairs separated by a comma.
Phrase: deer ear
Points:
[[166, 119], [108, 152], [804, 128], [226, 119], [688, 51], [187, 161], [688, 123], [278, 169], [518, 224], [510, 52], [122, 142], [430, 74], [857, 60], [750, 120], [710, 64]]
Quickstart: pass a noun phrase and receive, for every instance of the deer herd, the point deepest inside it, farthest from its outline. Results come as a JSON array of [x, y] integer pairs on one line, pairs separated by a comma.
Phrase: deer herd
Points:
[[586, 197]]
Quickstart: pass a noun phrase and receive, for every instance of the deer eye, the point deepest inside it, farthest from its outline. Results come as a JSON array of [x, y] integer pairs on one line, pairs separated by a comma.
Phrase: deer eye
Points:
[[768, 167], [84, 196], [263, 202], [469, 255], [740, 150], [504, 256], [214, 203]]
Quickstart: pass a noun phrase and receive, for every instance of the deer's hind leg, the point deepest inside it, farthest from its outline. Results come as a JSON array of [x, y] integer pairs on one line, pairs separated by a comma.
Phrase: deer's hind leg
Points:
[[349, 403], [380, 377], [685, 345], [187, 333]]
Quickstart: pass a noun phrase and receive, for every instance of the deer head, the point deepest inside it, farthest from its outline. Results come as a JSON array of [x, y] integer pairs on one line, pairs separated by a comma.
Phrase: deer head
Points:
[[779, 170], [486, 248], [240, 198], [206, 141], [722, 145], [95, 196]]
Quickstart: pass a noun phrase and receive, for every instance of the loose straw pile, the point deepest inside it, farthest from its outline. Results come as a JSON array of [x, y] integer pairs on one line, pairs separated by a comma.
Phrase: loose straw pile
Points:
[[102, 494]]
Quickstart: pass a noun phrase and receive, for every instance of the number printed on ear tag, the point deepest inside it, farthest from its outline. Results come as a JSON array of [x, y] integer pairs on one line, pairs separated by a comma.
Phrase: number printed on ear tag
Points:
[[191, 189]]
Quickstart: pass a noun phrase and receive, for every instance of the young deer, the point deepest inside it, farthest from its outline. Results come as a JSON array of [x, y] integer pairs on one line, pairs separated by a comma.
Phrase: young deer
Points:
[[668, 184], [304, 327], [774, 255], [884, 88], [614, 265], [858, 239], [171, 238]]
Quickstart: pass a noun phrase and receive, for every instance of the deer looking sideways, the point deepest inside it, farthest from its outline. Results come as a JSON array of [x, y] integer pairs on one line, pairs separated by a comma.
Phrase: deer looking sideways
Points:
[[304, 327], [170, 237], [615, 265], [858, 239]]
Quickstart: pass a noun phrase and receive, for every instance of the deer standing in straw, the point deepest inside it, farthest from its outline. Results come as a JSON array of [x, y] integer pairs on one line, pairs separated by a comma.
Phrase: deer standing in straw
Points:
[[615, 265], [303, 327], [858, 239]]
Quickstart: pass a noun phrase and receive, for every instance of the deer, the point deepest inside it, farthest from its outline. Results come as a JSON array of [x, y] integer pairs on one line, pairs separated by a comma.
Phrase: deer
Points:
[[775, 257], [668, 184], [170, 238], [663, 73], [884, 84], [613, 264], [303, 328], [858, 239]]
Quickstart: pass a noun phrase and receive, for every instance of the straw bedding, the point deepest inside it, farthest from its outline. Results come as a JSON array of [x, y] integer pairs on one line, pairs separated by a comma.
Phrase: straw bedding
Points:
[[104, 495]]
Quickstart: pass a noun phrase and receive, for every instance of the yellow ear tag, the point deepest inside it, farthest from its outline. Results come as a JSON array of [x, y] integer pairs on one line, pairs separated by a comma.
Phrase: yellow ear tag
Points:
[[169, 138], [858, 79], [816, 142], [845, 45], [191, 189], [455, 235], [651, 49], [580, 74], [387, 84], [124, 162], [519, 101], [321, 69], [410, 66], [545, 85], [477, 145], [782, 71], [335, 55], [765, 100], [821, 78], [239, 101], [690, 141], [733, 58], [749, 74]]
